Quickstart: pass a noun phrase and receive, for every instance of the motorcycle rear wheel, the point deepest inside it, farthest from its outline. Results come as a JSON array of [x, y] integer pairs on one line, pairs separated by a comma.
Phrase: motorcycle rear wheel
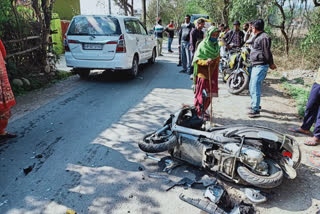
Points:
[[152, 145], [273, 180], [244, 78]]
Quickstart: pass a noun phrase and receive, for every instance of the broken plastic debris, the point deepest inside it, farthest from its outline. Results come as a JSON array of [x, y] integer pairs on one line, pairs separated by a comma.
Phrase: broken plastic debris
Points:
[[71, 212], [254, 195], [3, 203], [152, 157], [214, 193], [207, 181], [155, 175], [28, 169], [208, 207]]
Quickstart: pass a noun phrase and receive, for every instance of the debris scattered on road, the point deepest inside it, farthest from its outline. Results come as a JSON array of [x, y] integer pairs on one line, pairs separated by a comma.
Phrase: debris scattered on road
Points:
[[170, 165], [3, 203], [155, 175], [28, 169], [39, 156], [140, 168], [71, 212], [207, 181], [206, 206], [152, 157], [185, 182], [214, 193], [254, 195]]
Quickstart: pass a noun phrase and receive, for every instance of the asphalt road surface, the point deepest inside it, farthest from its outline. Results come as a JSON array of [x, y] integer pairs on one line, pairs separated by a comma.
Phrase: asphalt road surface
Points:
[[82, 146], [77, 146]]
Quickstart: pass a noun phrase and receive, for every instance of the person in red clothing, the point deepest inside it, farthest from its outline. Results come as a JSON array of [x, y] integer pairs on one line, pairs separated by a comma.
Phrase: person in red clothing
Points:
[[6, 96]]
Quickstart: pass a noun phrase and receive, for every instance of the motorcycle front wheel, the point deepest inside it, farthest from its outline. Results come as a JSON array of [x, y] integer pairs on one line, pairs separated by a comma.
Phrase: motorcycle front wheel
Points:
[[152, 143], [237, 83], [272, 180]]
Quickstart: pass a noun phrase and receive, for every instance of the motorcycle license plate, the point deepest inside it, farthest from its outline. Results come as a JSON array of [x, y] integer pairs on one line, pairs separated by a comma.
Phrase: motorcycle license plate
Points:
[[92, 46]]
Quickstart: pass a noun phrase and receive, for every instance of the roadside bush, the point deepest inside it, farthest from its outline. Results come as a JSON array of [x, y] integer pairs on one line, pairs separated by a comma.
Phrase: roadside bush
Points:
[[298, 93]]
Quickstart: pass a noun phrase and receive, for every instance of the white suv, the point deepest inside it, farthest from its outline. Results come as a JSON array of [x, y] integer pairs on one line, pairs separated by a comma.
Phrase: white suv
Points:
[[108, 42]]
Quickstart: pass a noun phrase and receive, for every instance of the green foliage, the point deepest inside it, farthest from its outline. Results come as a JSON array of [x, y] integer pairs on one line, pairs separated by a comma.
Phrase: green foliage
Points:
[[244, 10], [57, 38], [310, 45], [67, 8], [298, 93]]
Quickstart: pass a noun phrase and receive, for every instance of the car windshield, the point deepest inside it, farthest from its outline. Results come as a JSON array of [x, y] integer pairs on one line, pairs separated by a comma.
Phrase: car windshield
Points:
[[94, 25]]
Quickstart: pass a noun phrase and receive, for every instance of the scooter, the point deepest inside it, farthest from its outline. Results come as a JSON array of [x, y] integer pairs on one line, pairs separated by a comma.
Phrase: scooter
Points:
[[245, 154]]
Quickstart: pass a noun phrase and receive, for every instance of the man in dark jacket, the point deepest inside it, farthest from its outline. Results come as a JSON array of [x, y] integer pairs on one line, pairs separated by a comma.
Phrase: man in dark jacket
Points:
[[170, 30], [184, 43], [196, 35], [234, 38], [261, 59]]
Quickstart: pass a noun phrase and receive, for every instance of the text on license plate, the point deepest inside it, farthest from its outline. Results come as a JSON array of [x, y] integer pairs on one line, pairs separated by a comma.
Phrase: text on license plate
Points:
[[92, 46]]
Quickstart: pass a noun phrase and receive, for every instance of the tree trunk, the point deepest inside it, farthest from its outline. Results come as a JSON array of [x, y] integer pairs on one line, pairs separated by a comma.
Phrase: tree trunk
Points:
[[286, 38], [282, 26], [144, 12], [226, 12]]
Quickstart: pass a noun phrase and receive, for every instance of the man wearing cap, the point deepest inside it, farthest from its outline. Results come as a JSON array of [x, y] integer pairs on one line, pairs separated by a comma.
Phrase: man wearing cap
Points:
[[234, 38], [261, 59], [184, 43]]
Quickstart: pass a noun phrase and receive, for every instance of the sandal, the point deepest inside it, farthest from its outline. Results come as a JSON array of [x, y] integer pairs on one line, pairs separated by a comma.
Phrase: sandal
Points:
[[310, 142], [316, 153], [7, 135], [296, 130], [315, 161]]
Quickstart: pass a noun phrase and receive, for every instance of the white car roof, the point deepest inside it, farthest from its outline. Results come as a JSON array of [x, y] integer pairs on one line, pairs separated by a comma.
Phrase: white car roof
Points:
[[119, 17]]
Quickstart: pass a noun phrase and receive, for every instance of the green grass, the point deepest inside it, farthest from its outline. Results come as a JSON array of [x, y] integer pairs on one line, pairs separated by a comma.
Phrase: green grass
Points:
[[299, 93]]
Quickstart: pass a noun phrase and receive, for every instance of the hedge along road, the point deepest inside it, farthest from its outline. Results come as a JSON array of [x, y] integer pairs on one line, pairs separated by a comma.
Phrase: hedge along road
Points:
[[80, 139]]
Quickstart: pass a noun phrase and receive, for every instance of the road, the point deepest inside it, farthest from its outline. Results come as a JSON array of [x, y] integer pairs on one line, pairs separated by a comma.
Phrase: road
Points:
[[80, 139]]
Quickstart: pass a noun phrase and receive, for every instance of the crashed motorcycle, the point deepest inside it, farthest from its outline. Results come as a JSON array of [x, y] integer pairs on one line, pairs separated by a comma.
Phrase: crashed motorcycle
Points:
[[235, 69], [249, 155]]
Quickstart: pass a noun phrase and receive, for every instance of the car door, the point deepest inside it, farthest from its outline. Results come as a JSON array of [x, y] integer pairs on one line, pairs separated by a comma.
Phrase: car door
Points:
[[135, 37], [147, 41]]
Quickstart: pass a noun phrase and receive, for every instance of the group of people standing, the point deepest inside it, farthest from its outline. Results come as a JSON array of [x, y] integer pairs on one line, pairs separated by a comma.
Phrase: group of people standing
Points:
[[159, 30], [197, 60], [260, 56]]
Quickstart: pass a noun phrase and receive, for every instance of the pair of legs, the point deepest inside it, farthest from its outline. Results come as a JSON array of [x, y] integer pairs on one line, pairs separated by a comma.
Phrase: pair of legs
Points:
[[311, 116], [258, 74], [169, 44], [186, 57], [159, 46]]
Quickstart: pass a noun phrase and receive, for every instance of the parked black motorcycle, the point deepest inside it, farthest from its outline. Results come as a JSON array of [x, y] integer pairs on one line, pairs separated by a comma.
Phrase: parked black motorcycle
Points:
[[244, 154]]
